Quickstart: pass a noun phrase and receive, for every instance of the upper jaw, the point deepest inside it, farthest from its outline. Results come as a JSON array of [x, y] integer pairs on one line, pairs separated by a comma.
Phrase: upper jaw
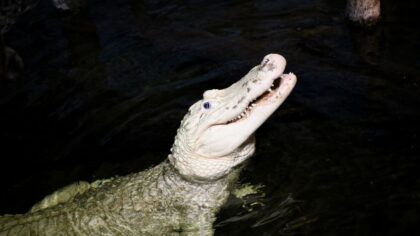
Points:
[[224, 136], [234, 134], [272, 97], [257, 82]]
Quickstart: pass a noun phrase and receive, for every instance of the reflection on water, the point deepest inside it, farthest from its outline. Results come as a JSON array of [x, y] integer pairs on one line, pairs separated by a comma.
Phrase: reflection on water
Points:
[[104, 90]]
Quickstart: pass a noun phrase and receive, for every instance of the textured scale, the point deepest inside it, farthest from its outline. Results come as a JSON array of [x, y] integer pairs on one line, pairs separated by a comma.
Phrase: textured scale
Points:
[[182, 194], [142, 202]]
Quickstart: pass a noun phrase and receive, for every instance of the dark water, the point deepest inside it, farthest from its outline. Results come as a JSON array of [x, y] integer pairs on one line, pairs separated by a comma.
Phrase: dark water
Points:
[[104, 90]]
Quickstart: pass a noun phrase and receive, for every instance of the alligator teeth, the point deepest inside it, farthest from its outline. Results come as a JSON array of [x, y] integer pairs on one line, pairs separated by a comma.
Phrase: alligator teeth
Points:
[[270, 90], [272, 85], [253, 104]]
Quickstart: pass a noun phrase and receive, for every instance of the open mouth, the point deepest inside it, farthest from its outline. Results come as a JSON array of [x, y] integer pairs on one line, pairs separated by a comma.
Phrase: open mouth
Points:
[[266, 95]]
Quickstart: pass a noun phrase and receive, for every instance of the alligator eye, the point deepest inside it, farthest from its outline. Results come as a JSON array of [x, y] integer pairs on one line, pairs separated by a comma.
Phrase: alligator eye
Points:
[[206, 105]]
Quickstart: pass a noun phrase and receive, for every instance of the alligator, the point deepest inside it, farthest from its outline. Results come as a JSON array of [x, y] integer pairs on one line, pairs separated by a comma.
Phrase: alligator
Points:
[[364, 12], [181, 195]]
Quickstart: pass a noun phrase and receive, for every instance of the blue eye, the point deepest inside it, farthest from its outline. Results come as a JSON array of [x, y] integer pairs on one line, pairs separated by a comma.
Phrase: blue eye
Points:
[[206, 105]]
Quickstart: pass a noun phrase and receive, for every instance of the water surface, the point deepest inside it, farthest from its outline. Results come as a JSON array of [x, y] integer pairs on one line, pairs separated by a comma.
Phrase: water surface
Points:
[[104, 90]]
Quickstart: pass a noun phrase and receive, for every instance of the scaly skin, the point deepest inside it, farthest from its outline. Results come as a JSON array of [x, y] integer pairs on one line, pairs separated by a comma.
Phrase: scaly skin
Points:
[[182, 195], [139, 204]]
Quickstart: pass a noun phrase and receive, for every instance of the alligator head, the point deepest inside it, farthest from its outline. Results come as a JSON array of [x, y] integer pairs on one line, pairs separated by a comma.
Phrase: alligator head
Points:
[[217, 133]]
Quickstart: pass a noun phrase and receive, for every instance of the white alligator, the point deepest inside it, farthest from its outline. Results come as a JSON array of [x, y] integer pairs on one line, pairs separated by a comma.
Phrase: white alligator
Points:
[[182, 195]]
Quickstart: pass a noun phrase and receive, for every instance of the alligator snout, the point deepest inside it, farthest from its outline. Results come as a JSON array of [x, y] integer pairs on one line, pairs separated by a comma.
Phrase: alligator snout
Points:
[[271, 62]]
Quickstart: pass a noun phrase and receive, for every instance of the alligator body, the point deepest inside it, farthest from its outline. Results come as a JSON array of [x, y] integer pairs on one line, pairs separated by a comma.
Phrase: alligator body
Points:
[[182, 195]]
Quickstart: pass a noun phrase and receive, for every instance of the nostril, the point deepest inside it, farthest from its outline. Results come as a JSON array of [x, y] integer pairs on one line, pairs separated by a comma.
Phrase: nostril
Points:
[[264, 62]]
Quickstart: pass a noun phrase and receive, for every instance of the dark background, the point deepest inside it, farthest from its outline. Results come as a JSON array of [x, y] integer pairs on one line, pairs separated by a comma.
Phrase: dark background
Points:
[[104, 89]]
